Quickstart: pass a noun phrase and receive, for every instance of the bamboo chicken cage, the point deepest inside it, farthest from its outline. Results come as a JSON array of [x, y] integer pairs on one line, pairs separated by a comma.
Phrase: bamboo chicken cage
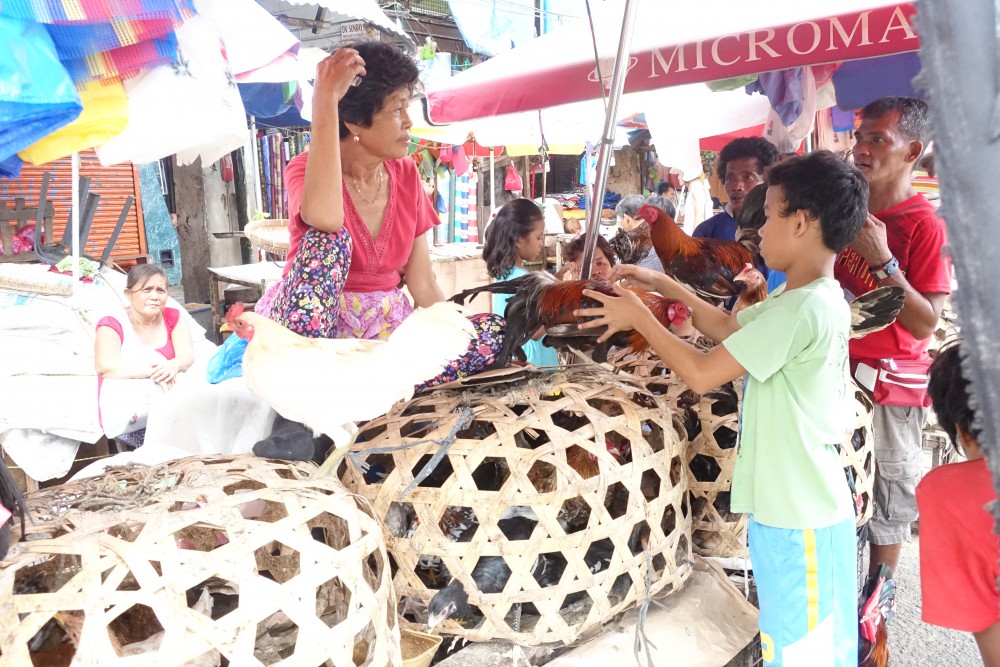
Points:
[[197, 560], [711, 452], [575, 480]]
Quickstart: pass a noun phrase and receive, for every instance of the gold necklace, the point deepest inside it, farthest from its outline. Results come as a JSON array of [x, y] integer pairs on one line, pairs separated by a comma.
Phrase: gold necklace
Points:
[[378, 189]]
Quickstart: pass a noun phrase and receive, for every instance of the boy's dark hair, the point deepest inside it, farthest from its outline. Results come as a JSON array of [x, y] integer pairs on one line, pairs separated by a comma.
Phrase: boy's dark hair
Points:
[[573, 250], [912, 119], [663, 203], [515, 220], [826, 188], [758, 148], [387, 69], [949, 392], [664, 188]]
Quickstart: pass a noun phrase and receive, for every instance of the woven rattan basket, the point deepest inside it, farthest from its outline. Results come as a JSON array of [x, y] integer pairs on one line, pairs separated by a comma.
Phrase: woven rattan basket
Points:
[[712, 424], [292, 569], [268, 235], [516, 450]]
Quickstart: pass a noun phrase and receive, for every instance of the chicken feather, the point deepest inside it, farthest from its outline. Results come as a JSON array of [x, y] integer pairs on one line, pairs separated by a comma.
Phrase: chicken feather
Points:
[[329, 384]]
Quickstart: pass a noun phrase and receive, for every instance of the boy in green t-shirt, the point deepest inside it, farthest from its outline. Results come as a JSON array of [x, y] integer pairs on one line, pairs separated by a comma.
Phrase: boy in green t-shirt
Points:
[[793, 349]]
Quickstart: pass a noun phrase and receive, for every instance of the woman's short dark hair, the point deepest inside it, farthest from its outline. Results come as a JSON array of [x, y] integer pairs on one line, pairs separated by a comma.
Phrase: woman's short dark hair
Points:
[[574, 249], [826, 188], [140, 274], [515, 220], [949, 392], [758, 148], [387, 69]]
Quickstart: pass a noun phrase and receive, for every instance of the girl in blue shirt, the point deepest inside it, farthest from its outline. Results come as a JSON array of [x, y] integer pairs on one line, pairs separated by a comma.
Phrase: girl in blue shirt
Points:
[[516, 235]]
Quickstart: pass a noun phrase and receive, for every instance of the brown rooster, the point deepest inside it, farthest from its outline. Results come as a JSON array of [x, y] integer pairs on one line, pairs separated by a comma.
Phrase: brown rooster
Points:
[[707, 265], [877, 607], [754, 290], [541, 300]]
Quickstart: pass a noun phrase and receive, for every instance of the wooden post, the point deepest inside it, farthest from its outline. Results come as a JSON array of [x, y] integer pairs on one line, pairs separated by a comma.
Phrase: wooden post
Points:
[[526, 181]]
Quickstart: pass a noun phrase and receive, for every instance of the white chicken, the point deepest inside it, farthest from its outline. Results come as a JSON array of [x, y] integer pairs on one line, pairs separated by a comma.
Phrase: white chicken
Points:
[[329, 384]]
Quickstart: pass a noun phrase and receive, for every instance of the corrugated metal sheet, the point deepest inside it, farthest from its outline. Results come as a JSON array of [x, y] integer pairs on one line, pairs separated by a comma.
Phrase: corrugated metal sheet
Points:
[[114, 184]]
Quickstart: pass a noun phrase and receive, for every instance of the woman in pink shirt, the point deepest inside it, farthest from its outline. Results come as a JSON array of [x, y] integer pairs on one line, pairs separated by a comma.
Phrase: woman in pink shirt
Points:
[[358, 212]]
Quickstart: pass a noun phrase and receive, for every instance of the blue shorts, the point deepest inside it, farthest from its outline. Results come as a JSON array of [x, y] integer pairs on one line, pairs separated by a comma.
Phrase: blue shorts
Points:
[[806, 583]]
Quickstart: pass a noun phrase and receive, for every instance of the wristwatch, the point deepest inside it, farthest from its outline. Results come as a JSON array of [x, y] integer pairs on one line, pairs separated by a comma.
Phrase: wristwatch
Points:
[[886, 271]]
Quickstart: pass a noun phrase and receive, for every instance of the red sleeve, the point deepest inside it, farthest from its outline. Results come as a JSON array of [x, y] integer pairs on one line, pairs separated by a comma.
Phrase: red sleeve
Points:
[[926, 269], [427, 217], [112, 324]]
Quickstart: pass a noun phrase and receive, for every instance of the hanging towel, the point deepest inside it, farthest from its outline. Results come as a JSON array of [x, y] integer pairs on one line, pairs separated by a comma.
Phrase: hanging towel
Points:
[[37, 96], [784, 90]]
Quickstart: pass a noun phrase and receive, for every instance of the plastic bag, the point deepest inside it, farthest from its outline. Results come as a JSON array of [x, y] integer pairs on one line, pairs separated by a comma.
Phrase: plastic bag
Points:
[[37, 95], [512, 181], [227, 362]]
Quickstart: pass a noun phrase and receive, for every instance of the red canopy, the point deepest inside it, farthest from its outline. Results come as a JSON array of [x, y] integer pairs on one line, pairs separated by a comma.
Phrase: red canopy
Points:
[[717, 142], [729, 40]]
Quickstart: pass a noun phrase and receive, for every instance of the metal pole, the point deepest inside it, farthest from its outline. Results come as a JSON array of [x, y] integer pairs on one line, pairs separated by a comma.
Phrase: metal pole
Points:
[[493, 183], [75, 218], [596, 196]]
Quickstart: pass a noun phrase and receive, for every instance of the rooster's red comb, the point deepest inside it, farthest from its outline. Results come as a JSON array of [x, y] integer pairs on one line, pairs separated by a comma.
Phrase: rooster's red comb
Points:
[[648, 213], [235, 311]]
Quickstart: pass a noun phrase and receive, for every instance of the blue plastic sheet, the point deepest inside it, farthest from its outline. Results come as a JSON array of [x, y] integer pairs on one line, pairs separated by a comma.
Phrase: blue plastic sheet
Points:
[[11, 167], [37, 95], [227, 362]]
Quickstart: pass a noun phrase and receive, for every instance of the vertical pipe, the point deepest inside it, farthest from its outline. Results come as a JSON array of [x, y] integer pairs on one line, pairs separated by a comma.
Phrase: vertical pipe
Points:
[[493, 182], [596, 196], [75, 218]]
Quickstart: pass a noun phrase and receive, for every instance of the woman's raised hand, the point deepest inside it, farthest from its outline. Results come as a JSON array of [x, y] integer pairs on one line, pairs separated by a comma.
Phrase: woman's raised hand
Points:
[[334, 76]]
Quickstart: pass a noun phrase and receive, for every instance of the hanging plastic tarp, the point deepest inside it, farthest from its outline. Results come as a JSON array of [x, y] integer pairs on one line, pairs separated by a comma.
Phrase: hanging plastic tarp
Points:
[[105, 115], [80, 40], [493, 27], [859, 82], [192, 110], [94, 11], [125, 62], [37, 95]]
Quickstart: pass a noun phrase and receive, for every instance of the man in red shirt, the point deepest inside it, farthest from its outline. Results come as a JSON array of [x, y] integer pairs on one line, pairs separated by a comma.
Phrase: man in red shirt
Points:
[[958, 549], [899, 244]]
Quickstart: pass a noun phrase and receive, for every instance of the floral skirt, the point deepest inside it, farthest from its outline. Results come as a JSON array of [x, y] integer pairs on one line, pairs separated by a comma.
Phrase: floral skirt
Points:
[[312, 302]]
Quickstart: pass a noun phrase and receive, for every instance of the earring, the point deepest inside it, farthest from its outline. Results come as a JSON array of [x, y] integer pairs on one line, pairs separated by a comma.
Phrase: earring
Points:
[[356, 138]]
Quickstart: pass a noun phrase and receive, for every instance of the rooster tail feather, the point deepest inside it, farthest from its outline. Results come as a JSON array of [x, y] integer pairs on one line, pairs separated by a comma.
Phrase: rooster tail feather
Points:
[[875, 310], [502, 287]]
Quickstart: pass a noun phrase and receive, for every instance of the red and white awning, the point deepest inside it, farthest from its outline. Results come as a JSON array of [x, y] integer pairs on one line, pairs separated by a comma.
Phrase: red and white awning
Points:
[[719, 39]]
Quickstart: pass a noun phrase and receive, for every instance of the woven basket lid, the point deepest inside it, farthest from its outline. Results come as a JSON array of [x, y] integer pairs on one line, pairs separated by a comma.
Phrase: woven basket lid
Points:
[[268, 235]]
